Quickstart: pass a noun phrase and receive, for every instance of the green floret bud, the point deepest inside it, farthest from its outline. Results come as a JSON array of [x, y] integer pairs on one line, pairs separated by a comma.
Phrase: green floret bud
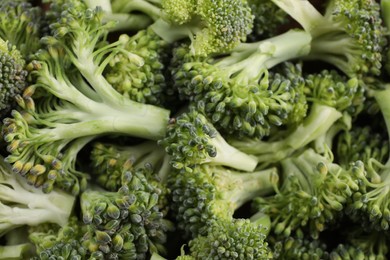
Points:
[[214, 193], [192, 140], [20, 25], [312, 195], [21, 204], [127, 223], [232, 239], [180, 12], [13, 78], [139, 74]]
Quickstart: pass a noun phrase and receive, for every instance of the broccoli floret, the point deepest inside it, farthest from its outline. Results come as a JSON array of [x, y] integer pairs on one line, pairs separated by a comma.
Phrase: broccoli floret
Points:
[[313, 193], [144, 83], [371, 205], [237, 92], [192, 140], [20, 25], [212, 26], [364, 144], [126, 223], [298, 248], [110, 163], [233, 239], [385, 11], [13, 79], [71, 99], [329, 95], [349, 35], [61, 242], [210, 193], [22, 204]]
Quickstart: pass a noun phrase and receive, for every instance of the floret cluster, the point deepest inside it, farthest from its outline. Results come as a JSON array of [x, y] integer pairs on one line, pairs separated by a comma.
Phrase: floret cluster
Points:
[[194, 129]]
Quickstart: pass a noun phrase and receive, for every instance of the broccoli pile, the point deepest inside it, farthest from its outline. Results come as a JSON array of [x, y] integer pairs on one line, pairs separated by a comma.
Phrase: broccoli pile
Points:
[[194, 129]]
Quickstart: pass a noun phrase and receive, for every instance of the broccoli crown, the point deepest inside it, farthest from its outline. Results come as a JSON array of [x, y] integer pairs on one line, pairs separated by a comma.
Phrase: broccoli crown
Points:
[[144, 83], [13, 78], [243, 108], [298, 248], [353, 145], [213, 26], [20, 25], [213, 193], [110, 161], [232, 239], [313, 193], [192, 140], [60, 242], [126, 223], [334, 89]]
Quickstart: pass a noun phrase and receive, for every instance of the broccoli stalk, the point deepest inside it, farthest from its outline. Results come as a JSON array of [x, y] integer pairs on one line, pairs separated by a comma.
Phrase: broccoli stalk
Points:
[[22, 204], [213, 193], [337, 34]]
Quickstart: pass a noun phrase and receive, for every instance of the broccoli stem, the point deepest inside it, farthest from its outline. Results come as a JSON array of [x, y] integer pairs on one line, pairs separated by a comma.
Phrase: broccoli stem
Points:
[[301, 11], [229, 156], [385, 9], [173, 32], [127, 22], [143, 6], [317, 123], [382, 97], [245, 185], [250, 58]]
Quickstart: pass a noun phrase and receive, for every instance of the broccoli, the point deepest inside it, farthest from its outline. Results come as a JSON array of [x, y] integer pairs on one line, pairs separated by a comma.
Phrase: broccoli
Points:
[[233, 239], [61, 242], [330, 95], [110, 162], [22, 204], [371, 205], [13, 79], [126, 223], [214, 193], [20, 25], [71, 99], [385, 11], [211, 26], [349, 35], [15, 245], [238, 93], [192, 140], [144, 83], [312, 195]]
